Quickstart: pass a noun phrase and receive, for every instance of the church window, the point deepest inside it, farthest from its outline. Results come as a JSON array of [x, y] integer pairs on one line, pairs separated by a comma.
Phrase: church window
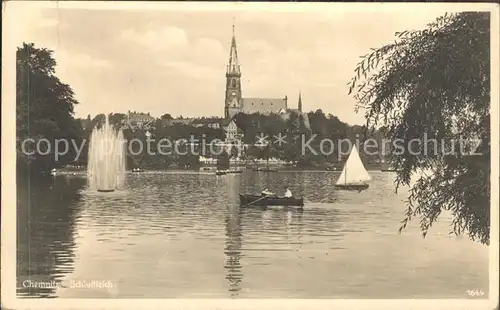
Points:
[[234, 83]]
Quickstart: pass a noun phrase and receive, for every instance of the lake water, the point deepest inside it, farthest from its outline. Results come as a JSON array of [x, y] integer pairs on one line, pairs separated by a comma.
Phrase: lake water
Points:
[[183, 235]]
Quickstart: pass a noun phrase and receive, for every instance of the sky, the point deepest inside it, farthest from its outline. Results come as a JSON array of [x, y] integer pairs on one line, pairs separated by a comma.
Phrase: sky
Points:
[[173, 61]]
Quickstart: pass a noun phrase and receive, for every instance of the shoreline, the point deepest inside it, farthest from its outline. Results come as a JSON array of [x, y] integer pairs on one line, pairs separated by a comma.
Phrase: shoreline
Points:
[[84, 172]]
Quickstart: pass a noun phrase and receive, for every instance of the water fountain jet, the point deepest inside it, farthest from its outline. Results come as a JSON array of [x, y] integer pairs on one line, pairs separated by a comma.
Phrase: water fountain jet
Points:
[[106, 159]]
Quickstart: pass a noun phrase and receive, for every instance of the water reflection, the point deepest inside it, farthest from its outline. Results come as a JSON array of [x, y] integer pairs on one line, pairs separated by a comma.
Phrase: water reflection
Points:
[[232, 250], [171, 235], [47, 211], [234, 236]]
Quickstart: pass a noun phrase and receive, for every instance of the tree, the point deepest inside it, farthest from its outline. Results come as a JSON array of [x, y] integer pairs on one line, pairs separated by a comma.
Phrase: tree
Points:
[[223, 161], [166, 117], [436, 82], [44, 109], [117, 119]]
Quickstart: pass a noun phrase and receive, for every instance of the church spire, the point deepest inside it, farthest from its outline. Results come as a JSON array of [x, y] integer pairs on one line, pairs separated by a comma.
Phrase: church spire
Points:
[[233, 66], [300, 101]]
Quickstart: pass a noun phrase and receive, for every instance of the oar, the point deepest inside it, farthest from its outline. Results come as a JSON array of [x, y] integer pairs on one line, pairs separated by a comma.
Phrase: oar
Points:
[[255, 201]]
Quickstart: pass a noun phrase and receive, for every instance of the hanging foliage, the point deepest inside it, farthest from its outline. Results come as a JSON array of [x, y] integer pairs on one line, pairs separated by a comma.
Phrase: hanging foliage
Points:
[[433, 86]]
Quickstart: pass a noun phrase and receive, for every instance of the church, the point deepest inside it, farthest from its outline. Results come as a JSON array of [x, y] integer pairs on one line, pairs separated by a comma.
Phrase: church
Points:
[[235, 103]]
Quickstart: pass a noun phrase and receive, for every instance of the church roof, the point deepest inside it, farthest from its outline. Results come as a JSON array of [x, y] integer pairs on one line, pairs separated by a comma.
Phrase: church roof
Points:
[[263, 105]]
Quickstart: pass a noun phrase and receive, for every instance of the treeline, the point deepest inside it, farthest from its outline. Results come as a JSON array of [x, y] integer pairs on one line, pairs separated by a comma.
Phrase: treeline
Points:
[[158, 157], [293, 132], [44, 107], [296, 135]]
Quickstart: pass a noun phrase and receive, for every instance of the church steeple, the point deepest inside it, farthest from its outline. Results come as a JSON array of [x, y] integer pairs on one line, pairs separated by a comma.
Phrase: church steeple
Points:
[[300, 101], [233, 67], [233, 82]]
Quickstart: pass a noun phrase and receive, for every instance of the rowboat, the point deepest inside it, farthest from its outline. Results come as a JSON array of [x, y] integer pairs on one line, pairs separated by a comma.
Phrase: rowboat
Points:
[[265, 170], [255, 200], [220, 172]]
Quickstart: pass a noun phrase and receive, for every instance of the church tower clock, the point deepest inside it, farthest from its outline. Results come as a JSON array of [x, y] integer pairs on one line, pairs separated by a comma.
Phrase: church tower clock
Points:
[[232, 104]]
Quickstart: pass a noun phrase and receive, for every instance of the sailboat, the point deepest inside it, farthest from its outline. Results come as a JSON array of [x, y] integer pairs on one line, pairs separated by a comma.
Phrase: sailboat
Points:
[[354, 175]]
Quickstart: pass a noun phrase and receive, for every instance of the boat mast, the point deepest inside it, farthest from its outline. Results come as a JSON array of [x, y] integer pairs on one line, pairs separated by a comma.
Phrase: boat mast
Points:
[[345, 174]]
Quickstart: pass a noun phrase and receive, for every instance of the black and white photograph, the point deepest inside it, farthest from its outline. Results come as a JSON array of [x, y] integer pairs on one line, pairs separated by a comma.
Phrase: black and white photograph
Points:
[[250, 155]]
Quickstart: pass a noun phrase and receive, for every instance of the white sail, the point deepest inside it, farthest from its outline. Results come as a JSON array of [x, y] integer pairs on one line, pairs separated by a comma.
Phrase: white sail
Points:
[[354, 171]]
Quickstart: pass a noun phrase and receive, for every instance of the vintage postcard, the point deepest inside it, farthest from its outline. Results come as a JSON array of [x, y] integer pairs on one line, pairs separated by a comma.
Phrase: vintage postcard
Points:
[[216, 155]]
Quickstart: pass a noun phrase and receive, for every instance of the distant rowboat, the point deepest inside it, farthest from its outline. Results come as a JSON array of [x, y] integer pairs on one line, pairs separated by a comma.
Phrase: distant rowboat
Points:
[[255, 200], [105, 190], [265, 170]]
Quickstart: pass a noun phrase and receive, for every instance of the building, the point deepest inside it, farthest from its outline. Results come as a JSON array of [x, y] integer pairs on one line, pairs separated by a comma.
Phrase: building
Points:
[[285, 113], [235, 102], [136, 120], [177, 121], [232, 131], [210, 122]]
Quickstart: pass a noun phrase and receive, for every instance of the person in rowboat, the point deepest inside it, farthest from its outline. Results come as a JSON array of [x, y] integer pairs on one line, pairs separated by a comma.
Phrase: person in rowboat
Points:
[[266, 192], [288, 193]]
